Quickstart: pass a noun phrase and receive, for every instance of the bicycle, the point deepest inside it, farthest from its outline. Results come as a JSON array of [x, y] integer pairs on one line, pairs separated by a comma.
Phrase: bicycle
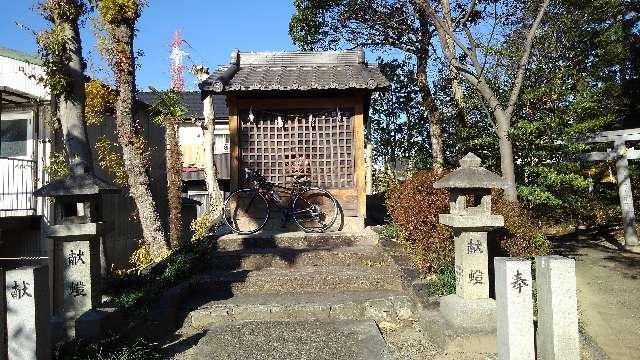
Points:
[[246, 211]]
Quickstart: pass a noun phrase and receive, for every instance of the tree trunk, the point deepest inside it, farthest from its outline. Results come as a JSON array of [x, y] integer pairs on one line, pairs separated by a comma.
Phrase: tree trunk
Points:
[[435, 120], [211, 178], [72, 105], [174, 182], [506, 155], [448, 48], [137, 176], [428, 102]]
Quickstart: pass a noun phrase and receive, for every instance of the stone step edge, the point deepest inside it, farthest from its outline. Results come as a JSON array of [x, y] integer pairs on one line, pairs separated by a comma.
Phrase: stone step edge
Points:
[[365, 249], [390, 309], [298, 272], [366, 234], [296, 241], [255, 261]]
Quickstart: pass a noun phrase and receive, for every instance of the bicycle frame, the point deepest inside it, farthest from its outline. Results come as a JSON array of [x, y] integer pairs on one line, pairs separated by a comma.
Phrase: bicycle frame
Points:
[[269, 194], [299, 207]]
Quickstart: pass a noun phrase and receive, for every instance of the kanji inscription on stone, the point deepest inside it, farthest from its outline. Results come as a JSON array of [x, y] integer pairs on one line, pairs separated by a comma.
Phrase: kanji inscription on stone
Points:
[[519, 282], [20, 289], [476, 277], [474, 247], [76, 288], [75, 258]]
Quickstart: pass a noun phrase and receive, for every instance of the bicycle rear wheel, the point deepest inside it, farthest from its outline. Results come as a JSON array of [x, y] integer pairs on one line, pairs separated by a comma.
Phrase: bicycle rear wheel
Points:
[[315, 210], [246, 211]]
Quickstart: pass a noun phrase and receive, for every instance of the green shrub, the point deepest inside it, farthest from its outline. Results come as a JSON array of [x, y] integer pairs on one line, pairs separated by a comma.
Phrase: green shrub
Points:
[[111, 349], [390, 230], [445, 280], [136, 292]]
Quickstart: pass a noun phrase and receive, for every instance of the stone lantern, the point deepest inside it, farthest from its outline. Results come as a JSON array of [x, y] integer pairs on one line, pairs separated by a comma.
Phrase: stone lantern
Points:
[[471, 219], [76, 231]]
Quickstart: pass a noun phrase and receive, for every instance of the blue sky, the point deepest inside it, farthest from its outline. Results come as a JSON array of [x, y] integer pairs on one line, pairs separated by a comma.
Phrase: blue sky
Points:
[[212, 28]]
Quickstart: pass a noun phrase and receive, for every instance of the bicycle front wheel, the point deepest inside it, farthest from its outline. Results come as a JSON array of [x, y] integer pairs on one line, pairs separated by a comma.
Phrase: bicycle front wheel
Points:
[[246, 211], [315, 210]]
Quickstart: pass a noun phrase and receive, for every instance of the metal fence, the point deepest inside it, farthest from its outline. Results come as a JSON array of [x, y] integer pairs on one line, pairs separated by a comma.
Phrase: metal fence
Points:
[[17, 183]]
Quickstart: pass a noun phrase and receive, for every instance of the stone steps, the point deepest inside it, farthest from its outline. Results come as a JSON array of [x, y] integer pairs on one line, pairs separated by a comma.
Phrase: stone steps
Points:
[[381, 305], [282, 258], [300, 280], [296, 240], [295, 278], [321, 340]]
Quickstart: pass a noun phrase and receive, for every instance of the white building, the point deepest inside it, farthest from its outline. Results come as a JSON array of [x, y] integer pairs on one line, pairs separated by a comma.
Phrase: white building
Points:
[[25, 148]]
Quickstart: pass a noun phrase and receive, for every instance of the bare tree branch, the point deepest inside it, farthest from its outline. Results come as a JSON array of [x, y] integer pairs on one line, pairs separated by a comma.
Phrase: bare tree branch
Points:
[[463, 20], [517, 83]]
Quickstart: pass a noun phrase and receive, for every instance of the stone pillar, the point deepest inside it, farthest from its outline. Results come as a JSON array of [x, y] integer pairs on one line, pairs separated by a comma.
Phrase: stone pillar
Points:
[[514, 309], [626, 197], [472, 278], [28, 312], [3, 317], [77, 271], [557, 308], [80, 262]]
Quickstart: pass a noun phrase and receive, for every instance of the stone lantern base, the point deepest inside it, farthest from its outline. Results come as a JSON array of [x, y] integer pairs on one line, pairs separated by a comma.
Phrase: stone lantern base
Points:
[[633, 248], [458, 323]]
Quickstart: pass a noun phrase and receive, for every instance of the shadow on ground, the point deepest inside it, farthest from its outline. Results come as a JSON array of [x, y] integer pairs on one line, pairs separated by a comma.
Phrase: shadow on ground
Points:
[[600, 239], [228, 267]]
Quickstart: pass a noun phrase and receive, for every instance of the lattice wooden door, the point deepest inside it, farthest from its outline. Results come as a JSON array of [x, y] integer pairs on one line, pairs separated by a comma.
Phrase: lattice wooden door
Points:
[[279, 143]]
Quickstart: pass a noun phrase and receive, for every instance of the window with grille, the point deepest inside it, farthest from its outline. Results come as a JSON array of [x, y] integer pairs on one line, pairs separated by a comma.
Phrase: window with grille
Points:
[[13, 137], [314, 142]]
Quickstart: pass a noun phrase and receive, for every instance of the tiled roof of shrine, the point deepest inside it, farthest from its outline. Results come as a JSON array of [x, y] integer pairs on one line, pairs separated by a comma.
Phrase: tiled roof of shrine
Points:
[[265, 71]]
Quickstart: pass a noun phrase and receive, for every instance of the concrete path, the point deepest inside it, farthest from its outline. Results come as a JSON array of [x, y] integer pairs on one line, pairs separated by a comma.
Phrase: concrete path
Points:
[[608, 291]]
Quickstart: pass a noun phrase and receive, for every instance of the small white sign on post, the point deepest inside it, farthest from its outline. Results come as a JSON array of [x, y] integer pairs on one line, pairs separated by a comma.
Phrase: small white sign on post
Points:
[[557, 308], [28, 312], [514, 309]]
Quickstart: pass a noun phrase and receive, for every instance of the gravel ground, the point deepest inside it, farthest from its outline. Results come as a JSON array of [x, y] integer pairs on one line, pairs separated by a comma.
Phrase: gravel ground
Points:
[[608, 293]]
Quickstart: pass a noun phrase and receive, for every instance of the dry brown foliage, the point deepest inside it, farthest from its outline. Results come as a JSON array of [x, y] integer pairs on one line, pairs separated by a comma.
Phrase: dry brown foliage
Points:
[[520, 237], [414, 207]]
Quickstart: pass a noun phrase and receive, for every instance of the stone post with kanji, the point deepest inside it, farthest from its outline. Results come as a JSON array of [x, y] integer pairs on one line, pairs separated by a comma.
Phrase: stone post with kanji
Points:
[[76, 233], [515, 309], [27, 312], [471, 219]]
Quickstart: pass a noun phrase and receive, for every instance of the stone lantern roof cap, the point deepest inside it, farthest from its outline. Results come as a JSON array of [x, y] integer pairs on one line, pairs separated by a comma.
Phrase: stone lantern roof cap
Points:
[[76, 185], [470, 175]]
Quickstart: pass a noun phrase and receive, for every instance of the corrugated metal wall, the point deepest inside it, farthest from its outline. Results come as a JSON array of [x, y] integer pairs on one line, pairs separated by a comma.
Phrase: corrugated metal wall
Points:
[[16, 74]]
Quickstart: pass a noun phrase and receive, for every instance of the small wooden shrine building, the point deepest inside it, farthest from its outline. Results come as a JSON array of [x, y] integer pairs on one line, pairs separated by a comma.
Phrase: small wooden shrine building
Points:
[[300, 112]]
